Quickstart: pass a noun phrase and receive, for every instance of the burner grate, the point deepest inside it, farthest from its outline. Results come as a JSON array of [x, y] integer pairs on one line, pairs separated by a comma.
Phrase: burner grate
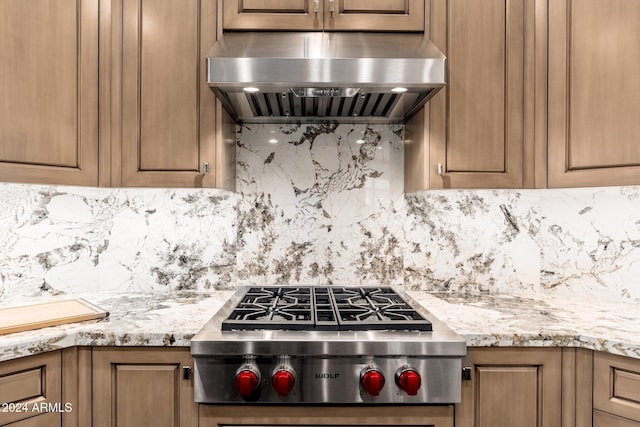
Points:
[[275, 308], [324, 309]]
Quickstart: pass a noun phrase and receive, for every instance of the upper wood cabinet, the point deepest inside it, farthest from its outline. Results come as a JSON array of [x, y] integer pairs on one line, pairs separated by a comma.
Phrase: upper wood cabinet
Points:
[[164, 111], [49, 91], [594, 93], [316, 15], [539, 93], [142, 387], [512, 387], [111, 93], [272, 15], [472, 134]]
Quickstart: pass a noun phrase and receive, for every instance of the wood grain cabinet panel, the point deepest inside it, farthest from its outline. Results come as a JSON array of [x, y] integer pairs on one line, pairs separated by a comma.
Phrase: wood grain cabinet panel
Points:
[[44, 420], [602, 419], [616, 385], [328, 15], [76, 386], [168, 112], [264, 416], [512, 387], [496, 384], [577, 387], [34, 384], [272, 15], [374, 15], [142, 387], [476, 124], [594, 93], [49, 91]]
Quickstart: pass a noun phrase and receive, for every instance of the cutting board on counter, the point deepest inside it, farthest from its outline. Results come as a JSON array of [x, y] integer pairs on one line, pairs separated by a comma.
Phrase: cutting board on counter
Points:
[[36, 316]]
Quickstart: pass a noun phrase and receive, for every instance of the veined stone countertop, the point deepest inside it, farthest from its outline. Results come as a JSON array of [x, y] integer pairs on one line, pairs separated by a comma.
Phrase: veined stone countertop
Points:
[[483, 319], [501, 320], [134, 320]]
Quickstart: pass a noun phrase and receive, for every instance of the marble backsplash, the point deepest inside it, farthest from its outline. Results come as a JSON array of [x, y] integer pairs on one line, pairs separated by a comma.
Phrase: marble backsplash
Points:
[[583, 242], [492, 246], [58, 239], [318, 204], [325, 204], [590, 242]]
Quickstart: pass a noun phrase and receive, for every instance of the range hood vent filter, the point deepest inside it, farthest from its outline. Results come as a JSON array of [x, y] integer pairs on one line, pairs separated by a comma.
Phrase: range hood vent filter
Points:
[[287, 105]]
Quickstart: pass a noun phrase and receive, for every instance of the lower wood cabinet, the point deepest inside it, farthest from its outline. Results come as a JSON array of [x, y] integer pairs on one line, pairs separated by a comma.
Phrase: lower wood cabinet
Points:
[[147, 386], [44, 420], [134, 387], [602, 419], [258, 416], [512, 387], [616, 389], [30, 391]]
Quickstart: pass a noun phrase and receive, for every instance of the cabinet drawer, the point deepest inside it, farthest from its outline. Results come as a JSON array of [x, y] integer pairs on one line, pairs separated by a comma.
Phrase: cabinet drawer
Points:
[[616, 385], [601, 419], [29, 386]]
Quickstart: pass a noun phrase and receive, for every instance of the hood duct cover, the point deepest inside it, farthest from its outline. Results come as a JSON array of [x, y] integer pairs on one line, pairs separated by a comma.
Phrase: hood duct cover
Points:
[[310, 77]]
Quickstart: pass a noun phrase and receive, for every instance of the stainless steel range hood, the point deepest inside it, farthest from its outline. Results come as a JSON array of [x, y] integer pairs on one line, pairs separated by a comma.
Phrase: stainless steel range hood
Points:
[[309, 77]]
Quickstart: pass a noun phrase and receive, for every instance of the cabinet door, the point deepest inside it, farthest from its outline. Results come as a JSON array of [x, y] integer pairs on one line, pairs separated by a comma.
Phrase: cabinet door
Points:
[[476, 127], [512, 387], [167, 110], [272, 15], [594, 93], [616, 385], [142, 387], [49, 91], [33, 385], [374, 15]]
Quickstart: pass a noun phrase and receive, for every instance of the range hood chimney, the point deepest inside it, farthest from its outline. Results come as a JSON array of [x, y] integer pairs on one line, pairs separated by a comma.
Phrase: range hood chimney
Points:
[[311, 77]]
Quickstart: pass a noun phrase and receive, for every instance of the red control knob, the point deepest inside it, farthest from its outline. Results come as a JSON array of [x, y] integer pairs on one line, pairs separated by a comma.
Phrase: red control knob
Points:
[[283, 382], [247, 382], [372, 382], [410, 381]]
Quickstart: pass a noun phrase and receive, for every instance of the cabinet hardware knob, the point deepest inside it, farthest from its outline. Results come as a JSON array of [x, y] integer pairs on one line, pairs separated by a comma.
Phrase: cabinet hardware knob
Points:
[[466, 373], [205, 168], [440, 169], [316, 6], [186, 372]]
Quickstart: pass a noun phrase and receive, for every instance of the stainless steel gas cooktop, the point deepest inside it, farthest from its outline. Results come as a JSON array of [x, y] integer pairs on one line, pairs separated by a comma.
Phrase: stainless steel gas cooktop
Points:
[[326, 345], [324, 309]]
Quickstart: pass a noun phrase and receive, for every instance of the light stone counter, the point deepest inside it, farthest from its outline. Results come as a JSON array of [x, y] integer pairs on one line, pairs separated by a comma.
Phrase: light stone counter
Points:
[[483, 319], [540, 321], [134, 320]]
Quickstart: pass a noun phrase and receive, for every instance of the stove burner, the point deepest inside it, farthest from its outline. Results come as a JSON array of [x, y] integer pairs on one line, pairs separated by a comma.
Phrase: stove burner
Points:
[[324, 309]]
